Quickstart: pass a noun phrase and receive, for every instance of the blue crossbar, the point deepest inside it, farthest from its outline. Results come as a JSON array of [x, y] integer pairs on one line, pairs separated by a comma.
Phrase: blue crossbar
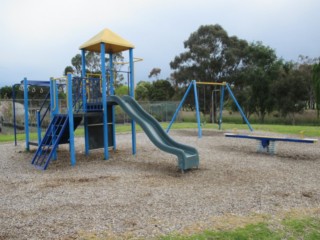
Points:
[[267, 142]]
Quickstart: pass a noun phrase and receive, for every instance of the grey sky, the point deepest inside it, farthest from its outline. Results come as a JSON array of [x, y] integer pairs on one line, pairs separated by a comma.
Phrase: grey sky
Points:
[[39, 37]]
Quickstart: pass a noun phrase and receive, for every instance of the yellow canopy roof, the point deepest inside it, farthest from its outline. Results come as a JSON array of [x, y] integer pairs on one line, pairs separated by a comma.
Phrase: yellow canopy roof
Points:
[[114, 43]]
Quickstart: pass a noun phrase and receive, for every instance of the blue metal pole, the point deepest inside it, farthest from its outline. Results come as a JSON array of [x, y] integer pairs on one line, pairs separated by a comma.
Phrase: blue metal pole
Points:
[[26, 112], [197, 108], [83, 63], [84, 100], [111, 74], [133, 124], [179, 106], [71, 124], [238, 106], [104, 100], [14, 114], [38, 126], [83, 74], [53, 106], [221, 105], [112, 92]]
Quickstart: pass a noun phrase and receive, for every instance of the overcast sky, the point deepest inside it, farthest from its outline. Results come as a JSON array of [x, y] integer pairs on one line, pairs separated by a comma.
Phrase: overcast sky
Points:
[[38, 38]]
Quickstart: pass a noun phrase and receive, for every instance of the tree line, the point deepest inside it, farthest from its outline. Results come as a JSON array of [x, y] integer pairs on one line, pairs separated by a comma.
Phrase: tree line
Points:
[[261, 81]]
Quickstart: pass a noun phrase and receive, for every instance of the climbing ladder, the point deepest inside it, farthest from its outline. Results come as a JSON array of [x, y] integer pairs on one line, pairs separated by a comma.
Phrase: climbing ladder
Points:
[[57, 133], [50, 141]]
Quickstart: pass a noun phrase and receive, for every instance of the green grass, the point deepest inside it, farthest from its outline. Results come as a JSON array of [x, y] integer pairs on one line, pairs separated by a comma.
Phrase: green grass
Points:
[[307, 228], [308, 131]]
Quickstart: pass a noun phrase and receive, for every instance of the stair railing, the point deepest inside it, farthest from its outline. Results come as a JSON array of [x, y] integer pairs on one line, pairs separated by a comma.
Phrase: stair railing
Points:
[[41, 118]]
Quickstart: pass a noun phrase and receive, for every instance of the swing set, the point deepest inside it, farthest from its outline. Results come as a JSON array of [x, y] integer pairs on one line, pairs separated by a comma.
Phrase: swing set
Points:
[[223, 86]]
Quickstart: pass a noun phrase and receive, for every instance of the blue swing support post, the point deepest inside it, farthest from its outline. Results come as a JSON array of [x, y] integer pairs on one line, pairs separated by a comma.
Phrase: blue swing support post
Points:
[[223, 86], [191, 85], [26, 112]]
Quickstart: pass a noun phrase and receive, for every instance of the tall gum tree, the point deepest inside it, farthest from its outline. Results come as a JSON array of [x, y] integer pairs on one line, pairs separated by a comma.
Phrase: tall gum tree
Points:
[[211, 56]]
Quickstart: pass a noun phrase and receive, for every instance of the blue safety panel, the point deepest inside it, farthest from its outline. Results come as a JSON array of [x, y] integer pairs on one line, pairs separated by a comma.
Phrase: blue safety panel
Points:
[[87, 94]]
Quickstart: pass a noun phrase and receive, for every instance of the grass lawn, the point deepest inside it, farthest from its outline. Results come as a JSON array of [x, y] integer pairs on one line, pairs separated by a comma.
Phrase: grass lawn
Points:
[[308, 131], [307, 228]]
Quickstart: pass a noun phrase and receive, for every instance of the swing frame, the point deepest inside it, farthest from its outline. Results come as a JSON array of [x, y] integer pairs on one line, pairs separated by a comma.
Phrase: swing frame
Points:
[[224, 86]]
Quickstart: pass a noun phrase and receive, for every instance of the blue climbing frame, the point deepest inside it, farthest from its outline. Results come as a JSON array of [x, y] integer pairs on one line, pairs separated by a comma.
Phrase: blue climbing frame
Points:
[[87, 99], [26, 85], [223, 86], [91, 95]]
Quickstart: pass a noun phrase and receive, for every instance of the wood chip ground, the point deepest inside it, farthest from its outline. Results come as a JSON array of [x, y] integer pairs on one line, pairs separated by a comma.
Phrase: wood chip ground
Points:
[[145, 195]]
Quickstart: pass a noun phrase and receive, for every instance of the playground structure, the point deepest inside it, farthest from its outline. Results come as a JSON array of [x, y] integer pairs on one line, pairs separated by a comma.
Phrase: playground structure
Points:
[[41, 113], [267, 143], [223, 86], [91, 100]]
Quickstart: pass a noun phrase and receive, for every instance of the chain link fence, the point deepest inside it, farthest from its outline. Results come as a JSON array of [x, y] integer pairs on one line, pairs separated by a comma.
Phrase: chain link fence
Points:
[[162, 111]]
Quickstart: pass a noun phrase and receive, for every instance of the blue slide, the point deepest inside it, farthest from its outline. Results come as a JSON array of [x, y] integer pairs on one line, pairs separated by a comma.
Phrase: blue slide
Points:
[[188, 156]]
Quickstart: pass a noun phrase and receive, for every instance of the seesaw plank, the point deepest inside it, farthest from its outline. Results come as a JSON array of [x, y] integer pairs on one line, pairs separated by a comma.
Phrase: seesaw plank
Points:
[[269, 138]]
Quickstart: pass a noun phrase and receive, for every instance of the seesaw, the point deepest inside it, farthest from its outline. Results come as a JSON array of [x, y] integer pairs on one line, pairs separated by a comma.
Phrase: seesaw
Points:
[[267, 143]]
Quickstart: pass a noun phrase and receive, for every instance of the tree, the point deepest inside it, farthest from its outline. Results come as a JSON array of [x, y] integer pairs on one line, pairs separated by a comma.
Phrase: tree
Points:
[[76, 63], [6, 92], [161, 90], [316, 82], [305, 67], [254, 81], [154, 72], [67, 70], [122, 90], [290, 92], [93, 65], [143, 90], [211, 56]]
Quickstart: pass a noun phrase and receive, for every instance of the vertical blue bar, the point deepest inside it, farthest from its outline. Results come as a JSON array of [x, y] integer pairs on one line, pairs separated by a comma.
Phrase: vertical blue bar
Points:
[[179, 107], [54, 155], [238, 106], [70, 117], [38, 127], [26, 112], [111, 73], [84, 82], [14, 114], [53, 106], [112, 92], [104, 100], [133, 124], [221, 105], [84, 100], [197, 108], [83, 63]]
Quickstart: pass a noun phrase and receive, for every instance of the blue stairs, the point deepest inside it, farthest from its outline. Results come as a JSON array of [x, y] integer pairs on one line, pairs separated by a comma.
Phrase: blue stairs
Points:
[[50, 141], [57, 133]]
